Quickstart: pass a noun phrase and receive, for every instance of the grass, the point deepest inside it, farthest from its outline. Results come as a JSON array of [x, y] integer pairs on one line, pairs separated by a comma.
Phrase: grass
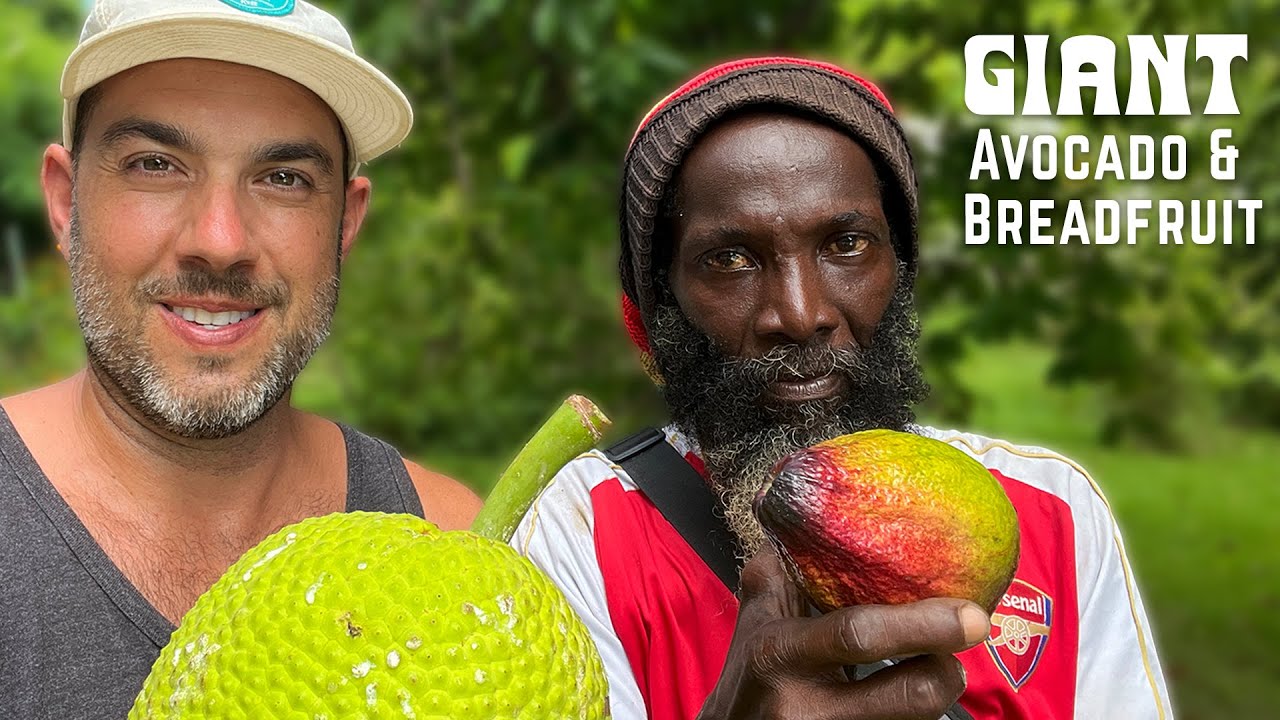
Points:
[[1200, 528]]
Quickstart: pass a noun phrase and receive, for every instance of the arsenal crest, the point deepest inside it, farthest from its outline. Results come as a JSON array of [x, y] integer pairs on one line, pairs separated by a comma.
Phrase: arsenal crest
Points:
[[1019, 631]]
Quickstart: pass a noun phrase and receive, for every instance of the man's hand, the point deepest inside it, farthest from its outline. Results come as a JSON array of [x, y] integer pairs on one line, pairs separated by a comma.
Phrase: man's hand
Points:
[[785, 665]]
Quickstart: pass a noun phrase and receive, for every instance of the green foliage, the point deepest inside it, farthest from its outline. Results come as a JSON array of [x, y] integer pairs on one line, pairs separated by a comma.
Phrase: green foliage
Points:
[[40, 341], [36, 41], [484, 287], [486, 281], [484, 284], [1166, 330]]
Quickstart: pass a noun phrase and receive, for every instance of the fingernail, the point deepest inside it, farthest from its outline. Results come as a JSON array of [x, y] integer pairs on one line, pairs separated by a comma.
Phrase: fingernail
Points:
[[976, 624]]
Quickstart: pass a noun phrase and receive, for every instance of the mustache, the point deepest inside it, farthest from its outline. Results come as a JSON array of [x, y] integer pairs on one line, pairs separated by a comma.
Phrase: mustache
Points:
[[814, 359], [232, 285]]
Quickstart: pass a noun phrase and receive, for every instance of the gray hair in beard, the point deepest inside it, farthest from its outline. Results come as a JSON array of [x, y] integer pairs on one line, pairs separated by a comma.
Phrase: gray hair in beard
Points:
[[717, 398]]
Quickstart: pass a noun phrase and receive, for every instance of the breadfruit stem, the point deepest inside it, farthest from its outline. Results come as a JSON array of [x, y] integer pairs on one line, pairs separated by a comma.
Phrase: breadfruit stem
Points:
[[574, 428]]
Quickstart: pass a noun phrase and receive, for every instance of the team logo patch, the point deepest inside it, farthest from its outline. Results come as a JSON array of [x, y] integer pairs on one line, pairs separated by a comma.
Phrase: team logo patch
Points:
[[263, 7], [1020, 631]]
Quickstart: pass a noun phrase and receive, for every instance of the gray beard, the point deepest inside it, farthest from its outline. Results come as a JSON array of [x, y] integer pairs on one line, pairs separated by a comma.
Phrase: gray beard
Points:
[[740, 469], [716, 399], [205, 406]]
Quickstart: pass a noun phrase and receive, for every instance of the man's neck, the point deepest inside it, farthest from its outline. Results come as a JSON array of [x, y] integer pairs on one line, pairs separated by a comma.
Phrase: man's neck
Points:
[[178, 476], [93, 445]]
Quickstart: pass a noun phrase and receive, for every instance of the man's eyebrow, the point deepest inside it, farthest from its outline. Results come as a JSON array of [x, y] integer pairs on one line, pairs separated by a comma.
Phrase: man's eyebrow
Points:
[[856, 218], [725, 234], [163, 133], [293, 151], [717, 235]]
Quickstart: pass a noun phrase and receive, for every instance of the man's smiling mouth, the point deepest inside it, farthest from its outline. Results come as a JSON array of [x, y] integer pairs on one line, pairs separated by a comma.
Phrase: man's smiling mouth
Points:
[[211, 320]]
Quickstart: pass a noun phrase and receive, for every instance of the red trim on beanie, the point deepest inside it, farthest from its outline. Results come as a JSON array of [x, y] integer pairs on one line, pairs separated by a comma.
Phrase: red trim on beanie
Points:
[[707, 76], [635, 324]]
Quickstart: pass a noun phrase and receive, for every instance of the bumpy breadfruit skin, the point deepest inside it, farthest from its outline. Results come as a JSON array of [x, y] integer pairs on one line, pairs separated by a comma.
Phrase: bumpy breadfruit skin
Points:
[[885, 517], [370, 615]]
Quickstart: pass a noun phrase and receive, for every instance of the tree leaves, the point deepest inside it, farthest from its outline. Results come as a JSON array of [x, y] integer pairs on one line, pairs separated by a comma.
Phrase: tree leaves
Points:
[[485, 282]]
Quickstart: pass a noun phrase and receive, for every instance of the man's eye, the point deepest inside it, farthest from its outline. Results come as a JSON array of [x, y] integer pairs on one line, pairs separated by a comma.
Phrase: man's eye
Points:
[[729, 260], [154, 164], [849, 244], [285, 178]]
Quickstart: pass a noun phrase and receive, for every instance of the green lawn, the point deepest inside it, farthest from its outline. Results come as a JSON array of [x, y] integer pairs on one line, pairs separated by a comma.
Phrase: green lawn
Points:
[[1201, 529]]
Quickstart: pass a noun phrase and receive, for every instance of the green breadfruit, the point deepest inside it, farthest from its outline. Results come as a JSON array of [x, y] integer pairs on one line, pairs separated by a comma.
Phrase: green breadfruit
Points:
[[371, 615]]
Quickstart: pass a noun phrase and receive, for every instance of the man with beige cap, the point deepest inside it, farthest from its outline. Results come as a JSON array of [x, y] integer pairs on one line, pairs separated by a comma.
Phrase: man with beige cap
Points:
[[204, 196]]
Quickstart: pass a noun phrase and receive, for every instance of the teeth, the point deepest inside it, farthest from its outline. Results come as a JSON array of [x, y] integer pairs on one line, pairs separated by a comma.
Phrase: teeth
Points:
[[212, 320]]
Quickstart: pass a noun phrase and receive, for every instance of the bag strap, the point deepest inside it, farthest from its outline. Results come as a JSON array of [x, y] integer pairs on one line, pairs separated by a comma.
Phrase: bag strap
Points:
[[683, 497], [685, 500]]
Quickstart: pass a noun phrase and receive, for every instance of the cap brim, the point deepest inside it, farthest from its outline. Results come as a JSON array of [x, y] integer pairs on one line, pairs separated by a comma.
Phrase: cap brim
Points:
[[374, 113]]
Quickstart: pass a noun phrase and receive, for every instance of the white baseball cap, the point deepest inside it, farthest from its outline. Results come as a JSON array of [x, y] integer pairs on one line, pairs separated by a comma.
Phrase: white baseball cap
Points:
[[290, 38]]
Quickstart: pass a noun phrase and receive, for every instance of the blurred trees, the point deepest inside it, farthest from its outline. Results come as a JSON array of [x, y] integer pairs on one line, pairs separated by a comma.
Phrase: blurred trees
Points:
[[37, 38], [484, 288], [39, 338], [1168, 331]]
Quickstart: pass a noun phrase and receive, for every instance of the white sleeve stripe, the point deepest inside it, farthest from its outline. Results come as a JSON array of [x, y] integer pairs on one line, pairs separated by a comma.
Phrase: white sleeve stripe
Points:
[[532, 518], [557, 533], [531, 515], [1124, 560]]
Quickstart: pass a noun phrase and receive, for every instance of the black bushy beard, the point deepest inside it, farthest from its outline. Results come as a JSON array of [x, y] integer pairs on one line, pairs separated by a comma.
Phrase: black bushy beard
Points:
[[718, 399]]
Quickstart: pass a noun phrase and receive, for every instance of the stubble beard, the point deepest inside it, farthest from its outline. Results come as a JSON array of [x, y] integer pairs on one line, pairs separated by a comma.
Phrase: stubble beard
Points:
[[198, 404], [718, 399]]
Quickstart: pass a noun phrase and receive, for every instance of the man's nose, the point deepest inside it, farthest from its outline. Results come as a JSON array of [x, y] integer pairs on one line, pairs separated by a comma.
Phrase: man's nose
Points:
[[217, 234], [797, 305]]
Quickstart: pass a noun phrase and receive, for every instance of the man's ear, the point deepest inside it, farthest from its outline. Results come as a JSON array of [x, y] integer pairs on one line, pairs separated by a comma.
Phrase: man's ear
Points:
[[56, 181], [357, 205]]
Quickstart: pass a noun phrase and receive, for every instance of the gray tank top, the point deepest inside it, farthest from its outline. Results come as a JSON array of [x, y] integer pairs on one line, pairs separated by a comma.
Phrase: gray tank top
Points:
[[76, 637]]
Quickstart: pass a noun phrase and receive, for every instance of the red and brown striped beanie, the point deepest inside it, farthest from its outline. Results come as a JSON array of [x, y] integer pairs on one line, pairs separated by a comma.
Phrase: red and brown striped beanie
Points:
[[828, 93]]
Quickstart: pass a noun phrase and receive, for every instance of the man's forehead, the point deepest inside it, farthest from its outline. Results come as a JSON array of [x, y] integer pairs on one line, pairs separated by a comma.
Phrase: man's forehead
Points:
[[156, 83], [766, 143], [767, 127], [197, 73]]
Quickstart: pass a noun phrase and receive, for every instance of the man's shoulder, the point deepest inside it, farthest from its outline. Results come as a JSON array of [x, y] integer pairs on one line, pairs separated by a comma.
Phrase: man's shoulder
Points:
[[589, 470], [574, 483], [562, 515], [41, 410], [446, 502], [34, 396], [978, 445], [1035, 467], [579, 490]]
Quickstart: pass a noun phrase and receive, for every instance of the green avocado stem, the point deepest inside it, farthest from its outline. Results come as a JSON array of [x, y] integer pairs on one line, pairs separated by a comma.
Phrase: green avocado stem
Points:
[[574, 428]]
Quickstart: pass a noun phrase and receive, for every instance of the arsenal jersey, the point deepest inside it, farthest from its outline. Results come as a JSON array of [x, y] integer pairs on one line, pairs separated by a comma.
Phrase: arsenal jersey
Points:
[[1069, 639]]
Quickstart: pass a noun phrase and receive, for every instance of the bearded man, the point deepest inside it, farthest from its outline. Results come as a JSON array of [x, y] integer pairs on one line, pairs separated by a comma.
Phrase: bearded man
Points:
[[205, 198], [769, 248]]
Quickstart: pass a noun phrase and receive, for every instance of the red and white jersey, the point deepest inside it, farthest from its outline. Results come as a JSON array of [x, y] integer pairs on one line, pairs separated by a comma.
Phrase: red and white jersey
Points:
[[1070, 638]]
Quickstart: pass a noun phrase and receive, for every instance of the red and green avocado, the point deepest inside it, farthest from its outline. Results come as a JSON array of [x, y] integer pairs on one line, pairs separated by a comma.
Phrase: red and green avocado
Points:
[[885, 517]]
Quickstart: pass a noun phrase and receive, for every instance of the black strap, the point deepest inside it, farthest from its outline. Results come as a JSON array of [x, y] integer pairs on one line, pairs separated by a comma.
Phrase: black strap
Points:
[[683, 498]]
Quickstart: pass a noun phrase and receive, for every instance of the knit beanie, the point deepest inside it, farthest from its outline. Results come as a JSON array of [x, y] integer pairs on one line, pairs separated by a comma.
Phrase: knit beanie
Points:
[[819, 90]]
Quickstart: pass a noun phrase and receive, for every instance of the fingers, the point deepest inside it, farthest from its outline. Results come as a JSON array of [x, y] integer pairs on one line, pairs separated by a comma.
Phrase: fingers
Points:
[[869, 633], [763, 574], [921, 688], [783, 663], [768, 591]]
